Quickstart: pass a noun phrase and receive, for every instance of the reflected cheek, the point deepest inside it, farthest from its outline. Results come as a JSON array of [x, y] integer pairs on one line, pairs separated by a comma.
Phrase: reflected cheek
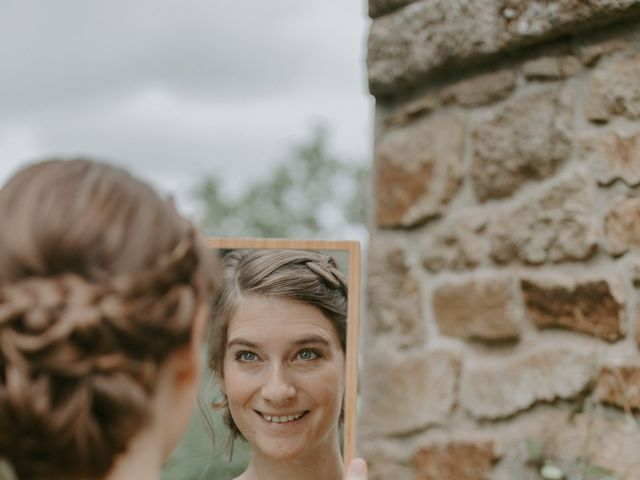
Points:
[[328, 389], [239, 387]]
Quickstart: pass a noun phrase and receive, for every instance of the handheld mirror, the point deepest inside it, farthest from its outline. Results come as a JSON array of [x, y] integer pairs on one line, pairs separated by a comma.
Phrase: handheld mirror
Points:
[[347, 253]]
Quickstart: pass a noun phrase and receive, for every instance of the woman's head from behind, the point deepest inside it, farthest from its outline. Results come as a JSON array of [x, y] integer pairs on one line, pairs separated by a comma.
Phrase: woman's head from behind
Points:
[[278, 343], [100, 282]]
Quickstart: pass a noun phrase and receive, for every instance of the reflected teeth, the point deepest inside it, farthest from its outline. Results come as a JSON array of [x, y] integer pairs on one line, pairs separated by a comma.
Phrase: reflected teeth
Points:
[[282, 418]]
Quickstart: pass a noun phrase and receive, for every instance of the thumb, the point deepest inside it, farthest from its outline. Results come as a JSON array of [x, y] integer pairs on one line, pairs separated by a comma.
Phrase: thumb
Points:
[[357, 470]]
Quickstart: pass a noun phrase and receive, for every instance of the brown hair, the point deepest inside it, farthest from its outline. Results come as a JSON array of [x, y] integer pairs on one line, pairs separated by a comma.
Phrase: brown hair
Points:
[[99, 283], [302, 275]]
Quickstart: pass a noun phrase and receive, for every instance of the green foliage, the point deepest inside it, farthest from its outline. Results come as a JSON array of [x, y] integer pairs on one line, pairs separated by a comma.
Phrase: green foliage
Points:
[[202, 454], [596, 472], [577, 469], [312, 194], [535, 450]]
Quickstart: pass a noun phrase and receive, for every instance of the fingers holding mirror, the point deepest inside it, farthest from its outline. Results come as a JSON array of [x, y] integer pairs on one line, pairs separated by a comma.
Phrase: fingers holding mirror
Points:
[[357, 470]]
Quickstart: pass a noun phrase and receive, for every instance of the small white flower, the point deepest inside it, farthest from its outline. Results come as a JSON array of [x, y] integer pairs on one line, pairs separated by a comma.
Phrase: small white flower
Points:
[[551, 472]]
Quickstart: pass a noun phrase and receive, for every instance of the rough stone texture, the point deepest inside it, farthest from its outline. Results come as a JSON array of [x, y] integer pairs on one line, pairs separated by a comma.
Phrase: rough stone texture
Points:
[[619, 385], [622, 226], [498, 389], [555, 224], [394, 300], [614, 90], [455, 461], [457, 244], [481, 89], [381, 7], [529, 21], [590, 53], [406, 44], [600, 438], [636, 282], [551, 68], [418, 170], [384, 470], [412, 111], [409, 392], [543, 203], [613, 157], [479, 308], [571, 439], [526, 140], [594, 306], [385, 459], [635, 273]]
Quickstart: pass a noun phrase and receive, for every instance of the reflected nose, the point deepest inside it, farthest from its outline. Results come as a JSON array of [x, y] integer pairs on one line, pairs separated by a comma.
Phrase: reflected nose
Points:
[[277, 387]]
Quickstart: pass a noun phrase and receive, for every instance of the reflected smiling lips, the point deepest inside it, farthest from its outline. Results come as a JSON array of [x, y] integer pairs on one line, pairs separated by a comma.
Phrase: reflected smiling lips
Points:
[[282, 419]]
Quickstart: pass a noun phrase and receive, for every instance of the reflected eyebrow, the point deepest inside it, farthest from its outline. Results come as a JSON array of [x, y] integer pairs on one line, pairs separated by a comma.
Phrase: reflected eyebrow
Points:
[[301, 341], [242, 342], [312, 339]]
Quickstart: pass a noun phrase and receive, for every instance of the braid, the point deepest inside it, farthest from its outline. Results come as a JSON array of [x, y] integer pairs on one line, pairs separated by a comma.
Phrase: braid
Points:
[[87, 318], [79, 352], [328, 271], [40, 312]]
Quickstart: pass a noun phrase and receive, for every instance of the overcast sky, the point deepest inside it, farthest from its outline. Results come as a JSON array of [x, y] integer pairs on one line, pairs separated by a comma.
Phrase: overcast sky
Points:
[[176, 89]]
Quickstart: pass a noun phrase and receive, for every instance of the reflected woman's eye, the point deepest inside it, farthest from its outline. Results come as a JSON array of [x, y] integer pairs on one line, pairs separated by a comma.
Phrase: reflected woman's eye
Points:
[[308, 354], [246, 356]]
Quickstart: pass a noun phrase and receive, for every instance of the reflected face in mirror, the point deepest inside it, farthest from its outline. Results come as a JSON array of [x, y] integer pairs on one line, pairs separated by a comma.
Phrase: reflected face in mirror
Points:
[[283, 375], [293, 303], [295, 300]]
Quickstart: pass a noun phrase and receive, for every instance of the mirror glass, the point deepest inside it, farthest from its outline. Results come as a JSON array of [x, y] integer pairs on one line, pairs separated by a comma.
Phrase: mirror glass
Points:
[[197, 457]]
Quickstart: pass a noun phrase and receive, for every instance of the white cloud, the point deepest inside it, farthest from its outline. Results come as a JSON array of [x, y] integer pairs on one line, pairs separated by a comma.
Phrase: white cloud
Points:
[[176, 89], [18, 145]]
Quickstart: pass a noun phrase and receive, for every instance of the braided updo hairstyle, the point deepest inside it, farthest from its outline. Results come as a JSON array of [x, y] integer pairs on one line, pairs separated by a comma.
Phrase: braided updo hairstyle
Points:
[[306, 276], [99, 283]]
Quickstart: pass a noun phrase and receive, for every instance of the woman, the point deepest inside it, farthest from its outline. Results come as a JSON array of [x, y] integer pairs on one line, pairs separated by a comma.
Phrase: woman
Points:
[[278, 350], [103, 299]]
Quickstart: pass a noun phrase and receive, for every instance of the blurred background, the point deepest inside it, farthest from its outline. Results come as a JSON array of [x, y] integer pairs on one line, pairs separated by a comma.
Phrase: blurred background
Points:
[[503, 272], [223, 104], [253, 115]]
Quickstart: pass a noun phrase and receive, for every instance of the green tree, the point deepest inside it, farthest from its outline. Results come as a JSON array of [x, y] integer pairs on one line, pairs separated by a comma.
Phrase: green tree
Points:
[[312, 194]]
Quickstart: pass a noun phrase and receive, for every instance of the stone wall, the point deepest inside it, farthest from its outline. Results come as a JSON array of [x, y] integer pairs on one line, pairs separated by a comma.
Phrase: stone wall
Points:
[[503, 323]]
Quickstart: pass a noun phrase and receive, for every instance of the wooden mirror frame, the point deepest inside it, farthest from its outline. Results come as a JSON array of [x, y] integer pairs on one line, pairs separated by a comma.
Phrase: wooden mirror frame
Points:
[[352, 247]]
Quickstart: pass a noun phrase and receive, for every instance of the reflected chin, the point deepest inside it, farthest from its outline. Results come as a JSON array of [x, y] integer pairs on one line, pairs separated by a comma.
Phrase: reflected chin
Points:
[[285, 449]]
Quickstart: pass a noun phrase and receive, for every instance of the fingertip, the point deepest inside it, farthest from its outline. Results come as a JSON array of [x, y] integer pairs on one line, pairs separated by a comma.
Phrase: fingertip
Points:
[[357, 470]]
